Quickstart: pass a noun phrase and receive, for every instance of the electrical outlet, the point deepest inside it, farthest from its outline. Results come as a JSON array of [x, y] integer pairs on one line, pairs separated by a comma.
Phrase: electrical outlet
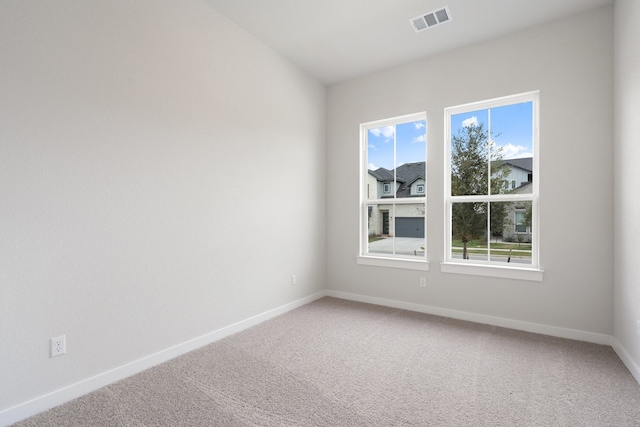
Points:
[[423, 282], [294, 280], [58, 345]]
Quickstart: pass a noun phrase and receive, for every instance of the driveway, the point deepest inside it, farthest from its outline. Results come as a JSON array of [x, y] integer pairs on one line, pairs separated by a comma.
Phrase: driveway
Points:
[[404, 246]]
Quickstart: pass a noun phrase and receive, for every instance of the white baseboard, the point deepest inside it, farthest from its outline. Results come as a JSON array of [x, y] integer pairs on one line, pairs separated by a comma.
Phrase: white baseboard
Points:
[[63, 395], [537, 328], [626, 358], [66, 394]]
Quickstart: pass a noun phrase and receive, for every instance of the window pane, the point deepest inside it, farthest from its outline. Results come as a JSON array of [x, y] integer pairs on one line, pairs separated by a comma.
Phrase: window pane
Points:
[[505, 247], [410, 158], [469, 153], [398, 230], [378, 221], [380, 160], [511, 130], [516, 239], [469, 231]]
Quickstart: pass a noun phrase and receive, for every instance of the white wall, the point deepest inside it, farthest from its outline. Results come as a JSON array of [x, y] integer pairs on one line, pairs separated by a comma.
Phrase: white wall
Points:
[[627, 185], [136, 142], [571, 63]]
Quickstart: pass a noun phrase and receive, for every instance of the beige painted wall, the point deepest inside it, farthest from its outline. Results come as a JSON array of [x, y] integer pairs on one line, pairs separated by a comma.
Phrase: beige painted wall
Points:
[[571, 63], [135, 140]]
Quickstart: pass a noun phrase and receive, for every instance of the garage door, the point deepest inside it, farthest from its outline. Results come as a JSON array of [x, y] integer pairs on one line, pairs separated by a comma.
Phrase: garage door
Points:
[[410, 227]]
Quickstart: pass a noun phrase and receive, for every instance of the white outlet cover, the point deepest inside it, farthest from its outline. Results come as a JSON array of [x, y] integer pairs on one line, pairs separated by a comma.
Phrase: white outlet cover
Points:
[[58, 345]]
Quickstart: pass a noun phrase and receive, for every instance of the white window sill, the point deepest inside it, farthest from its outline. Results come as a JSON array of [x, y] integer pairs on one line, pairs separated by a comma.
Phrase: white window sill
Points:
[[408, 264], [532, 274]]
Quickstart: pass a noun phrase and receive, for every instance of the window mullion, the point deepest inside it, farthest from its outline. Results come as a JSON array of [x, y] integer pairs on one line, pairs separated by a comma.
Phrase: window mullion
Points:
[[489, 192], [489, 231], [392, 220]]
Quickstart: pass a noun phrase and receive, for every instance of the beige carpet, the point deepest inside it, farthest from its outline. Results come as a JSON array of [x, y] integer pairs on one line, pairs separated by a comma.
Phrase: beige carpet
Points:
[[341, 363]]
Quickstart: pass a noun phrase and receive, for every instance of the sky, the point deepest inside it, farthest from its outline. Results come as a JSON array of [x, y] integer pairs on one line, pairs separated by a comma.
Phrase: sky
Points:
[[410, 145], [511, 127]]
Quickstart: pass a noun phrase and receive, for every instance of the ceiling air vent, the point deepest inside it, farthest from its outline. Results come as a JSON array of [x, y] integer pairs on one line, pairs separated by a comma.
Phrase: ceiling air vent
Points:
[[431, 19]]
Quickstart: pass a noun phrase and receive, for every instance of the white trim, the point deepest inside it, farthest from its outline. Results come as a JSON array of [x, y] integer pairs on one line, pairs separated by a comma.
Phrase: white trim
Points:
[[382, 261], [493, 270], [65, 394], [401, 201], [364, 256], [534, 98], [626, 358], [73, 391], [519, 325], [394, 120], [493, 103]]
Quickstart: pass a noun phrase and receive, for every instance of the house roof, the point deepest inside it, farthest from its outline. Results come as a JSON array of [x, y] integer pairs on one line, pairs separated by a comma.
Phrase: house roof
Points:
[[382, 174], [525, 163], [410, 172], [406, 175], [525, 187]]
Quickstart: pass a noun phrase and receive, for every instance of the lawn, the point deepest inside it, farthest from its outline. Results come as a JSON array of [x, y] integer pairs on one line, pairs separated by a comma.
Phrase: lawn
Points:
[[483, 245], [480, 247]]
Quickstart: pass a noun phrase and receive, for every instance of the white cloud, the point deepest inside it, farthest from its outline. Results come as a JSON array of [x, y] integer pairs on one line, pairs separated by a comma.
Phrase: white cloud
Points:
[[510, 151], [471, 121], [420, 138], [387, 131], [419, 125], [372, 147], [372, 167]]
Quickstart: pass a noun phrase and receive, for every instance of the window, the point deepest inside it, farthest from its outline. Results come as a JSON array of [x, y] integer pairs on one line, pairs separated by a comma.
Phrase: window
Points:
[[520, 221], [393, 192], [488, 223]]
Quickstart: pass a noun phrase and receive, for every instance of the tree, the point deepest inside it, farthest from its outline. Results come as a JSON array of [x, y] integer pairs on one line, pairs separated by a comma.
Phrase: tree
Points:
[[476, 167]]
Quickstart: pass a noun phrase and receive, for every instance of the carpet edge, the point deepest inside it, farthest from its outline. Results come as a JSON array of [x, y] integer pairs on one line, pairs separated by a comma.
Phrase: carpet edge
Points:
[[626, 358], [538, 328]]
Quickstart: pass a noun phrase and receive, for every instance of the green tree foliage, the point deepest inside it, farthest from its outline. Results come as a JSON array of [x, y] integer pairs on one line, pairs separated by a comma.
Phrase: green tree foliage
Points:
[[476, 167]]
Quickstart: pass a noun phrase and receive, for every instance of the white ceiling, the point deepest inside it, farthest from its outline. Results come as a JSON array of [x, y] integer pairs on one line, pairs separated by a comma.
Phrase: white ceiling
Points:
[[336, 40]]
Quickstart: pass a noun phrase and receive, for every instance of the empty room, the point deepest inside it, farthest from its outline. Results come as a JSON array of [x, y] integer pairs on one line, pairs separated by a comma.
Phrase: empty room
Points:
[[319, 212]]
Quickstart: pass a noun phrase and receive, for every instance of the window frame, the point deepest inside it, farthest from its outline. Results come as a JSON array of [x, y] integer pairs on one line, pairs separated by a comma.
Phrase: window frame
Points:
[[384, 259], [491, 268]]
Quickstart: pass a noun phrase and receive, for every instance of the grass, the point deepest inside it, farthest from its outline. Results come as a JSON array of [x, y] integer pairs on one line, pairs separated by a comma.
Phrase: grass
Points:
[[516, 253], [477, 244], [522, 250]]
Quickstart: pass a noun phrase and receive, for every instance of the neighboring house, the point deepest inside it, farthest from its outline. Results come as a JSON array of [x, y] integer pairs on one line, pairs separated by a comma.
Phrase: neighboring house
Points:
[[520, 180], [521, 172], [410, 182], [409, 218], [516, 227]]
